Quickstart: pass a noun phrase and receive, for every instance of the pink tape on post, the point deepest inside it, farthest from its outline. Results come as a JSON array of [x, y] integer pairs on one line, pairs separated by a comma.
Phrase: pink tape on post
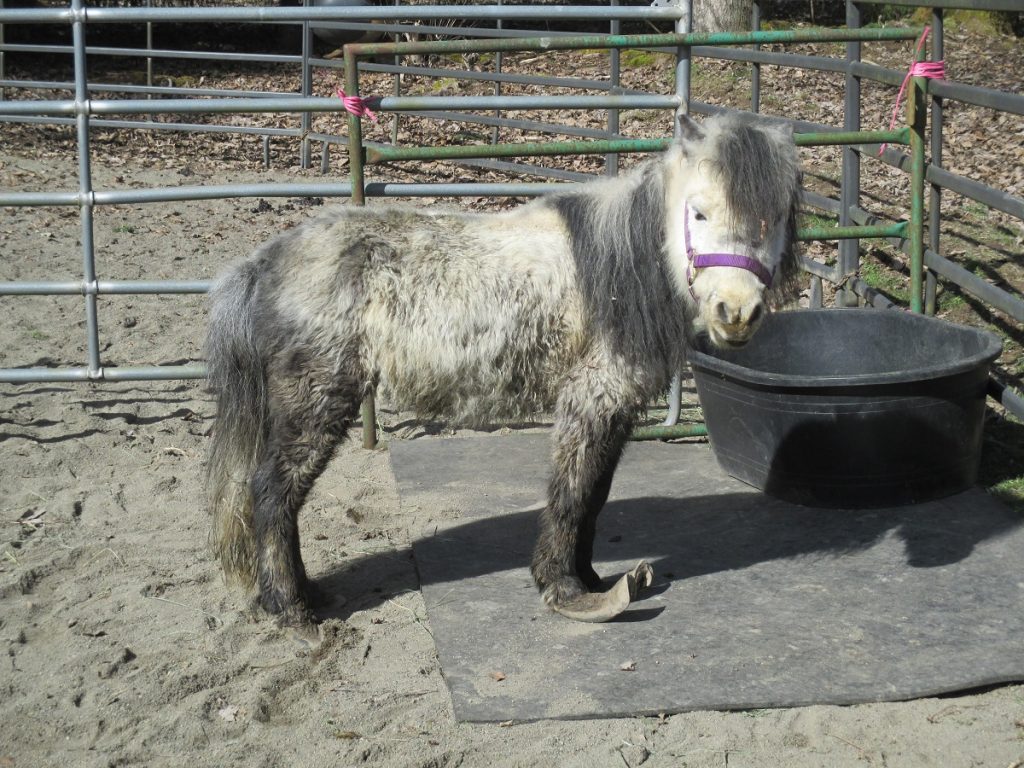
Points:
[[357, 105], [934, 70]]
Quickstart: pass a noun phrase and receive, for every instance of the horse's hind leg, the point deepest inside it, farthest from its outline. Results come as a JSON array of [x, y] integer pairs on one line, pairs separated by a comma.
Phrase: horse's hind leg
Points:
[[591, 429], [313, 402]]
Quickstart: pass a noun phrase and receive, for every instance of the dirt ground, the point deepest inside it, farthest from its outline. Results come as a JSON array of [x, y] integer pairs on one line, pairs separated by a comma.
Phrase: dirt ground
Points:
[[124, 647]]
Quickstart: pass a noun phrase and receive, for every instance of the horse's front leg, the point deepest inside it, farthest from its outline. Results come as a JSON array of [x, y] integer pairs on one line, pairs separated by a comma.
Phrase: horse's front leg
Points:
[[591, 430]]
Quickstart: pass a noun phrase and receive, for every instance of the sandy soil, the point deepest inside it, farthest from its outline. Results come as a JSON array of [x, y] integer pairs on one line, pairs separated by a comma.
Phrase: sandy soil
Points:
[[124, 647]]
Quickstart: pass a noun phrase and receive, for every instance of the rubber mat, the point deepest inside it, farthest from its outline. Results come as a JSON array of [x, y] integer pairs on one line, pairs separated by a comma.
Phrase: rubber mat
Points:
[[756, 602]]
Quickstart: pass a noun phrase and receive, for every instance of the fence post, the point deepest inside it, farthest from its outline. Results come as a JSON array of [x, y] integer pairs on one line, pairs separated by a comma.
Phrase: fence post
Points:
[[85, 201], [755, 68], [935, 192], [306, 85], [355, 170], [149, 50], [916, 119], [396, 86], [611, 161], [849, 192], [3, 91], [683, 25]]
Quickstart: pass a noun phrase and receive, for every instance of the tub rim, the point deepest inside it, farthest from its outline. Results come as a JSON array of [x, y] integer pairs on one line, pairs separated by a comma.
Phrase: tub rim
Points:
[[991, 348]]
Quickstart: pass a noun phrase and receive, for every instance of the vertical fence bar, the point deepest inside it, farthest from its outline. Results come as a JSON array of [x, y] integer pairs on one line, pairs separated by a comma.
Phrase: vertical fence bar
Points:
[[355, 168], [849, 191], [935, 192], [916, 119], [85, 189], [306, 86], [3, 70], [355, 132], [149, 48], [498, 63], [815, 299], [683, 25], [611, 161], [397, 87], [755, 68]]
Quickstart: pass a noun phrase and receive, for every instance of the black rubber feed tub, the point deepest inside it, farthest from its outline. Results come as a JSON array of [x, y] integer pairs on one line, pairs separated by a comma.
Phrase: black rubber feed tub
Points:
[[849, 407]]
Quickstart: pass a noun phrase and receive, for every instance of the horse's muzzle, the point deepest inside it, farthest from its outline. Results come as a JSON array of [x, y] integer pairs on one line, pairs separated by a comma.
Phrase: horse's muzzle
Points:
[[730, 325]]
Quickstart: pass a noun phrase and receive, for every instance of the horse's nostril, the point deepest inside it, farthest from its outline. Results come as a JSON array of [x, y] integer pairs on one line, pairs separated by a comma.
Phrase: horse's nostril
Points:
[[723, 313], [755, 314]]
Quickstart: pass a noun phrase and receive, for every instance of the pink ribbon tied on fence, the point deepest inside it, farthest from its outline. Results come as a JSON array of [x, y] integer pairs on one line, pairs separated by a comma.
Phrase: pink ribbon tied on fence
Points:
[[934, 70], [357, 105]]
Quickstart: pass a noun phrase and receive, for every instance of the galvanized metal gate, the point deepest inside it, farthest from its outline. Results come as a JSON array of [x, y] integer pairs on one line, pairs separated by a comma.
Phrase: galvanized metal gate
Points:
[[86, 114]]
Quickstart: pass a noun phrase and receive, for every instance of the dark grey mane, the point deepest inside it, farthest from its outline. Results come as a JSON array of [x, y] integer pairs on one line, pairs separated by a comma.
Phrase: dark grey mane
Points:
[[617, 230], [761, 182]]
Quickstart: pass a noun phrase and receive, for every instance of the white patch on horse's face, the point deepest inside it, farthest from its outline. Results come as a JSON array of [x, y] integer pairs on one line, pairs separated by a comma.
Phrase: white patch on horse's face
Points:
[[730, 300]]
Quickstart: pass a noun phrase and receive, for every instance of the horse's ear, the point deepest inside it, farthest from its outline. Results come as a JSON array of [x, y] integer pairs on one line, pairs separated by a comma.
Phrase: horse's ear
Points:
[[688, 129]]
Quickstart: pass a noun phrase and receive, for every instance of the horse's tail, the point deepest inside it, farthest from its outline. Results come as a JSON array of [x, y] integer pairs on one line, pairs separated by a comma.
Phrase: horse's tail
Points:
[[237, 374]]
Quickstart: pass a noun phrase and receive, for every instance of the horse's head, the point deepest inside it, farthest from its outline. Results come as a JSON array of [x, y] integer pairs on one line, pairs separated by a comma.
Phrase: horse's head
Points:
[[732, 190]]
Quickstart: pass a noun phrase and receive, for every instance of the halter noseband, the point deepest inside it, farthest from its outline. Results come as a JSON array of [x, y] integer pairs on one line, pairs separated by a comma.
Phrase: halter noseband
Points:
[[700, 260]]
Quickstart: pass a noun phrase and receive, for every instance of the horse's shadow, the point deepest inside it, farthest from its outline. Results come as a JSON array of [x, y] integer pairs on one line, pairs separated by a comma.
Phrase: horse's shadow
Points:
[[683, 538]]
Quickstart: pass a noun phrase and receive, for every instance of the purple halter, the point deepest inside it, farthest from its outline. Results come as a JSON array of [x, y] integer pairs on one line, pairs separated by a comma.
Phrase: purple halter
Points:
[[701, 260]]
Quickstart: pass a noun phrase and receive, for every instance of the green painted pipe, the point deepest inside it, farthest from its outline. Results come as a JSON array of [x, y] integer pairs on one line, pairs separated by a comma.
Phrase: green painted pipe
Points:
[[634, 41], [385, 154], [674, 432], [853, 232], [368, 408], [827, 138]]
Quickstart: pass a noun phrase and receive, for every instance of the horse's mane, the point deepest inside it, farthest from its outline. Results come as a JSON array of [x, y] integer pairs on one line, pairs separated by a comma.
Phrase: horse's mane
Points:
[[617, 232], [762, 180]]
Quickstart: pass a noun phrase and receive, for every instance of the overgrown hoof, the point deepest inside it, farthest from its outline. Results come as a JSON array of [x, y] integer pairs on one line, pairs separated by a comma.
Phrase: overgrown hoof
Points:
[[306, 633], [596, 607], [560, 590]]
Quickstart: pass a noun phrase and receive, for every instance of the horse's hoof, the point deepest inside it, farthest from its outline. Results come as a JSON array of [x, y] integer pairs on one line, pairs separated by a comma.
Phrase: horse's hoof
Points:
[[306, 634], [563, 590], [596, 607], [300, 625]]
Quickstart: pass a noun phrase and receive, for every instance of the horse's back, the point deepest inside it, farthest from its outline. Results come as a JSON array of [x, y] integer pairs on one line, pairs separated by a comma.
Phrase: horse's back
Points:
[[474, 316], [478, 317]]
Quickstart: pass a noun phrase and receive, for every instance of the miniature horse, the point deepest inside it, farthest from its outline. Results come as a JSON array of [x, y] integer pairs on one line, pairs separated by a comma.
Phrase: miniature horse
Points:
[[579, 301]]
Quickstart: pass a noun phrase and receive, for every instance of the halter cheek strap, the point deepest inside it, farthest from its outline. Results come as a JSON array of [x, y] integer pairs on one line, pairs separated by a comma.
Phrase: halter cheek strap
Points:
[[697, 261]]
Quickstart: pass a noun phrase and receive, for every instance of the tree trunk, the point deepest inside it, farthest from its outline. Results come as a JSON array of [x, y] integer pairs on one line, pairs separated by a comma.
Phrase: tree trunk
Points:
[[722, 15]]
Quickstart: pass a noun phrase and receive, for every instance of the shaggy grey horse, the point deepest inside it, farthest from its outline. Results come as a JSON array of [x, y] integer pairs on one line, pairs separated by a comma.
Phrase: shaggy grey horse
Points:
[[578, 302]]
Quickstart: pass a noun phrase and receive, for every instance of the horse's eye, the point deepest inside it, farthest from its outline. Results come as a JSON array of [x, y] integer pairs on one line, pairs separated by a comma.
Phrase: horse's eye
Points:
[[699, 216]]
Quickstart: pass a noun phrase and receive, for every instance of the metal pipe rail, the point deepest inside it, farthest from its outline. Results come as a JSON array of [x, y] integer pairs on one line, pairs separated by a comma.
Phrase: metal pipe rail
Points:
[[913, 135], [576, 42], [285, 104], [930, 262], [85, 113], [81, 109], [80, 14], [968, 5]]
